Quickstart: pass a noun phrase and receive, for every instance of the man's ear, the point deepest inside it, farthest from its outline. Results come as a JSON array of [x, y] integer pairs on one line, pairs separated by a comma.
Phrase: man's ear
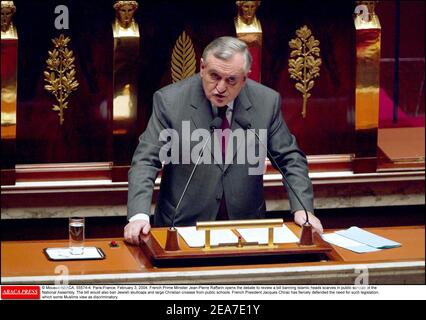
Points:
[[246, 75]]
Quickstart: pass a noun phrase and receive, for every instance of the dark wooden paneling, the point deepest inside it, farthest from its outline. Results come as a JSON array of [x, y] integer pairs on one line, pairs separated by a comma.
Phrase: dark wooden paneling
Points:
[[57, 228], [59, 197], [8, 177], [85, 134], [328, 127], [411, 67], [64, 172]]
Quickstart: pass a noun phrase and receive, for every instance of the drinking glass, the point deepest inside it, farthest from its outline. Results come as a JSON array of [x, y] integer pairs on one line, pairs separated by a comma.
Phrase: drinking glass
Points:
[[76, 235]]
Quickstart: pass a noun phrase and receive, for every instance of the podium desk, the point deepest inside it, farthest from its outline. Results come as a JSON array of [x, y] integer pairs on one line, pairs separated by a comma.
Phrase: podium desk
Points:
[[23, 262]]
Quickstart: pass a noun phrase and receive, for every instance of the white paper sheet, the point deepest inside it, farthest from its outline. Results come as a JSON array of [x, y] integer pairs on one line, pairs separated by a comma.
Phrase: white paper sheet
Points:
[[260, 235], [196, 238], [65, 254], [347, 243], [368, 238]]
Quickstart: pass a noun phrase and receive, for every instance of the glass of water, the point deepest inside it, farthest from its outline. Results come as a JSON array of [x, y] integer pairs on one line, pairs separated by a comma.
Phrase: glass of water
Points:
[[76, 235]]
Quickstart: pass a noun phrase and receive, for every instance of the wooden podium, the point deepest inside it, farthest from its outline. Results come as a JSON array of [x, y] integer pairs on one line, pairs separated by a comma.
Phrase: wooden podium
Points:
[[154, 247], [23, 262]]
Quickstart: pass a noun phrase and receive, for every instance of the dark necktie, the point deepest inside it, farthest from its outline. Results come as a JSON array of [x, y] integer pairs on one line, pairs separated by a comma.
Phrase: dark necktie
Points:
[[224, 134], [223, 212]]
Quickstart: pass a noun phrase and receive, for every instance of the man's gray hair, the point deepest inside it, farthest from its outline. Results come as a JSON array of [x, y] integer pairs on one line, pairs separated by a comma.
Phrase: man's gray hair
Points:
[[224, 48]]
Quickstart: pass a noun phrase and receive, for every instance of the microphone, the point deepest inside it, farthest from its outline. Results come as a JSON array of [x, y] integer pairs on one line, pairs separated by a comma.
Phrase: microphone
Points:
[[215, 124], [306, 238], [171, 241]]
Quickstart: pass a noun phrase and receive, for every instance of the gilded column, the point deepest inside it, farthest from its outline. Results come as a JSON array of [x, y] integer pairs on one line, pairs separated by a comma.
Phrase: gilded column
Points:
[[9, 68], [249, 30], [125, 78], [368, 33]]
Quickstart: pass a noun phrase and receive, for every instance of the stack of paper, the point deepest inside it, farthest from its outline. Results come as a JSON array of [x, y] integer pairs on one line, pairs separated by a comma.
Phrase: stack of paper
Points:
[[196, 238], [359, 240], [260, 235], [347, 243]]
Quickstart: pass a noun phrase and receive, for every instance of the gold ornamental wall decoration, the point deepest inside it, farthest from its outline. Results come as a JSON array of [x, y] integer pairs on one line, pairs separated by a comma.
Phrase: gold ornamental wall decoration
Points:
[[304, 66], [61, 74], [183, 58]]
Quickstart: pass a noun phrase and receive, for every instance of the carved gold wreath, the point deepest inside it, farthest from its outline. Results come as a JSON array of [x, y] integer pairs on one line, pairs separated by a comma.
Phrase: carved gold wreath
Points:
[[61, 78], [305, 67], [183, 58]]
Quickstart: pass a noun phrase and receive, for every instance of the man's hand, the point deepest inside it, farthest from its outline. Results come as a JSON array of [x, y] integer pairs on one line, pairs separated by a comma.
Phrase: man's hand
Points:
[[133, 229], [300, 219]]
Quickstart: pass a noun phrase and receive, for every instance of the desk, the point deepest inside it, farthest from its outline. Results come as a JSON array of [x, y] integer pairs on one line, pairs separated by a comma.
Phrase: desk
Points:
[[23, 262]]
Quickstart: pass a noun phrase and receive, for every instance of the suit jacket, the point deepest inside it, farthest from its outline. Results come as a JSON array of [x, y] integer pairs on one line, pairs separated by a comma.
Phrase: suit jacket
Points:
[[185, 101]]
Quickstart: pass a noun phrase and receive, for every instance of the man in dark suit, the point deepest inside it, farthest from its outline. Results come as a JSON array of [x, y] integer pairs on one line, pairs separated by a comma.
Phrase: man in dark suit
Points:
[[221, 189]]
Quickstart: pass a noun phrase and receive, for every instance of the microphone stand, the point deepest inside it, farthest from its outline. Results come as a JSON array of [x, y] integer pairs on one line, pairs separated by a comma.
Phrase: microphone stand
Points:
[[306, 238], [172, 242]]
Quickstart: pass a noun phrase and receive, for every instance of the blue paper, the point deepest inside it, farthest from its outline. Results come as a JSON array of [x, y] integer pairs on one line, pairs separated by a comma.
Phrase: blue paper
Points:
[[347, 243], [368, 238]]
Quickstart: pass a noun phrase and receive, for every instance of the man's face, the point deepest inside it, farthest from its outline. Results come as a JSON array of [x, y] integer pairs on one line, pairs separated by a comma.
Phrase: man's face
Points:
[[222, 80], [248, 11], [125, 15], [6, 18]]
